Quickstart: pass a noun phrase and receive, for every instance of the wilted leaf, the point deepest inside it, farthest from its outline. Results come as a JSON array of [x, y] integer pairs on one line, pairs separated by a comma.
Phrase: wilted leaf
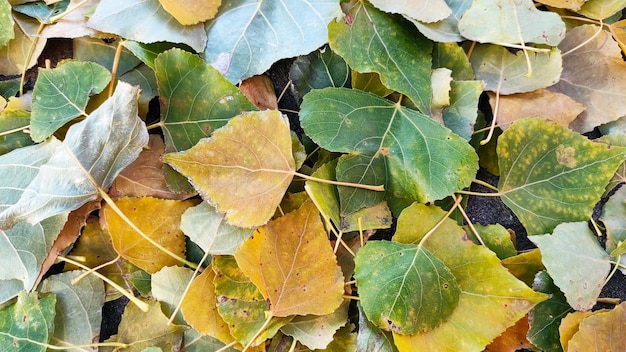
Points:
[[546, 317], [168, 286], [140, 330], [317, 331], [600, 95], [199, 308], [576, 262], [78, 308], [196, 99], [513, 339], [247, 36], [297, 269], [61, 94], [544, 103], [6, 22], [244, 169], [209, 230], [489, 293], [259, 90], [162, 229], [320, 69], [421, 10], [506, 72], [511, 21], [394, 50], [551, 175], [601, 331], [417, 157], [144, 176], [601, 9], [404, 288], [102, 145], [14, 54], [27, 324], [372, 339], [190, 12], [23, 250], [145, 21]]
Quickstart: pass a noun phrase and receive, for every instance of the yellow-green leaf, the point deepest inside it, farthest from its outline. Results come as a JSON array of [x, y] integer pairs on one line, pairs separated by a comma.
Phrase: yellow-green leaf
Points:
[[244, 169]]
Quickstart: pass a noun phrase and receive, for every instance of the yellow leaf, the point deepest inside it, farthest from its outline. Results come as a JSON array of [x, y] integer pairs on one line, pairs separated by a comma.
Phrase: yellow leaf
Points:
[[296, 266], [200, 310], [158, 219], [189, 12], [603, 331], [244, 169]]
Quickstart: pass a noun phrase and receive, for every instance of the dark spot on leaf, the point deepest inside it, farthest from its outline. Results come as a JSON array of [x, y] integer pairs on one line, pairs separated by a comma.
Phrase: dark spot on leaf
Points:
[[222, 299], [446, 286], [348, 19]]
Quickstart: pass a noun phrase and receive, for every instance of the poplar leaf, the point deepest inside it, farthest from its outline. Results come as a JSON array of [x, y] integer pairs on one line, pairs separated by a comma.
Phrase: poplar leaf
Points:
[[168, 286], [423, 10], [190, 12], [445, 30], [27, 324], [601, 9], [317, 331], [6, 22], [297, 269], [601, 331], [244, 168], [576, 262], [550, 175]]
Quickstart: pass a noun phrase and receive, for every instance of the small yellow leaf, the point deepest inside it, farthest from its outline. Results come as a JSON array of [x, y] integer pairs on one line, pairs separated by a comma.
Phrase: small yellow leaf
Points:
[[296, 266], [200, 310], [158, 219], [188, 12], [570, 325], [244, 169]]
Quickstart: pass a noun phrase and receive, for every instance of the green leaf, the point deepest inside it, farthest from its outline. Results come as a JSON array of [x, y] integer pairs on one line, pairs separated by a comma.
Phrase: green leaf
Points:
[[613, 219], [420, 10], [145, 21], [62, 93], [517, 22], [372, 339], [9, 88], [422, 159], [507, 73], [446, 30], [362, 169], [27, 324], [576, 261], [247, 37], [102, 53], [373, 41], [6, 22], [551, 175], [404, 288], [103, 144], [317, 331], [11, 120], [78, 309], [496, 238], [489, 293], [196, 99], [149, 52], [23, 250], [210, 230], [41, 11], [196, 342], [601, 9], [546, 317], [460, 116], [320, 69], [168, 286]]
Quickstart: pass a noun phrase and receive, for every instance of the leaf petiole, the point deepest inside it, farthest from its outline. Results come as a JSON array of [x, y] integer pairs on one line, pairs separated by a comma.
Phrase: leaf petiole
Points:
[[431, 231], [24, 128], [258, 333], [380, 188], [60, 348]]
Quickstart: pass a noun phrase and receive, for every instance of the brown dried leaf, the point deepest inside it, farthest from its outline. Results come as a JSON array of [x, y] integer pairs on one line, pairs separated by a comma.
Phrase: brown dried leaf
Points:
[[260, 91], [513, 339]]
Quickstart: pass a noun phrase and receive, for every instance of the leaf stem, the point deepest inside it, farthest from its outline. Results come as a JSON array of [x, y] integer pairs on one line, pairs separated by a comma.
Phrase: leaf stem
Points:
[[479, 194], [154, 125], [609, 300], [121, 214], [494, 118], [587, 41], [116, 61], [470, 224], [67, 12], [81, 276], [182, 296], [227, 346], [5, 133], [31, 50], [58, 348], [441, 221], [524, 47], [617, 265], [485, 184], [380, 188], [139, 303]]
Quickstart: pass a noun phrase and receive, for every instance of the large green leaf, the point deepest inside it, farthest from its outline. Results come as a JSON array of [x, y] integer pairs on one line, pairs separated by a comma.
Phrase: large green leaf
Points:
[[6, 22], [418, 158], [490, 294], [145, 21], [248, 36], [78, 309], [576, 262], [94, 150], [23, 250], [511, 21], [404, 288], [373, 41], [62, 93], [551, 175], [27, 324], [196, 99]]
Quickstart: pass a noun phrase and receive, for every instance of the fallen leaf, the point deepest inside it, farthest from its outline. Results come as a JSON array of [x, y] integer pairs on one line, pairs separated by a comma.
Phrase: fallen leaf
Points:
[[525, 265], [244, 169], [388, 42], [297, 269], [613, 219], [168, 286], [423, 10], [144, 177], [518, 22], [234, 46], [601, 9], [199, 308], [317, 331], [73, 24], [162, 229], [513, 339], [10, 120], [6, 22], [545, 173], [446, 30], [259, 90], [544, 103], [28, 323], [14, 54], [190, 12], [593, 88], [573, 5], [570, 325], [495, 237], [197, 342], [320, 69], [576, 262], [460, 116], [618, 29], [370, 338], [601, 331]]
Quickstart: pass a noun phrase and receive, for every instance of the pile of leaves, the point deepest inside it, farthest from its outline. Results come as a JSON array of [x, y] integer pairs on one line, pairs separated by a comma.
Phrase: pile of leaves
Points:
[[228, 231]]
